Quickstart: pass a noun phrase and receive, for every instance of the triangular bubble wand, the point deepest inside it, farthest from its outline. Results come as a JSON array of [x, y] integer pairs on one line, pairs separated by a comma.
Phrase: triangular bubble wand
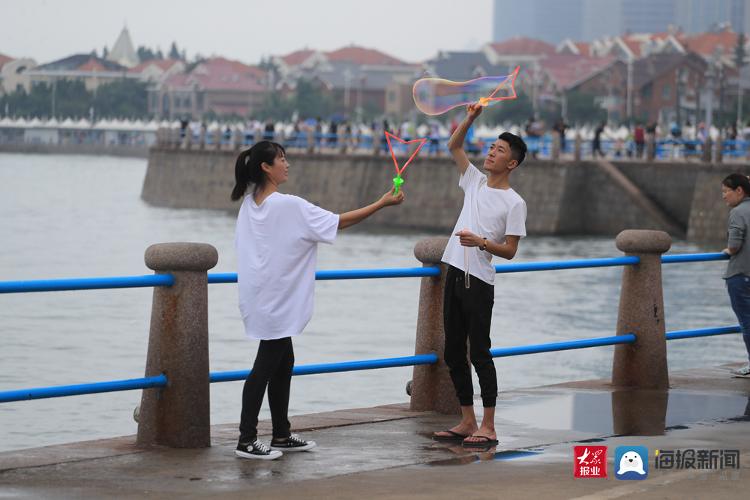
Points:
[[435, 96], [398, 180]]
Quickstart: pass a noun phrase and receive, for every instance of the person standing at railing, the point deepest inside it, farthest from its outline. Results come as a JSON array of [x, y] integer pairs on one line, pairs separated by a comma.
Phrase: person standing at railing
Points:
[[735, 191], [276, 239], [492, 222], [596, 144]]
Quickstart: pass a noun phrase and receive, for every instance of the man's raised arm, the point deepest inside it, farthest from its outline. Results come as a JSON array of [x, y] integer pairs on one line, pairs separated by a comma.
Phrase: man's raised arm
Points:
[[456, 142]]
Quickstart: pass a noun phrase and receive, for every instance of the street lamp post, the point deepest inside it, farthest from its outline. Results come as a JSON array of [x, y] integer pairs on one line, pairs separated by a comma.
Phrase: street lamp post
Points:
[[629, 90]]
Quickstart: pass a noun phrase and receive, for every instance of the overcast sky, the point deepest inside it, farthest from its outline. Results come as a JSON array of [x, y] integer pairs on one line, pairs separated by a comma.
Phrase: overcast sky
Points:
[[246, 30]]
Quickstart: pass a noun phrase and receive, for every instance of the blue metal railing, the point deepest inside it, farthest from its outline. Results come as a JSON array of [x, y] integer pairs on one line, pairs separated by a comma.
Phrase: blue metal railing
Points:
[[347, 366], [500, 352], [398, 272], [702, 332], [79, 389], [421, 359], [86, 283]]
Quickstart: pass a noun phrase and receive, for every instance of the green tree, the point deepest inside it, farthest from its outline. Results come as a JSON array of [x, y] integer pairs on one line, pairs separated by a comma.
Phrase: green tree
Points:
[[583, 108], [310, 100], [124, 98], [173, 52], [517, 110], [276, 107], [145, 54], [739, 51], [63, 98]]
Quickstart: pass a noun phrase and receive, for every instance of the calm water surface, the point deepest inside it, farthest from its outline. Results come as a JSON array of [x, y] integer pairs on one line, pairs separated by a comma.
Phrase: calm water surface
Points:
[[82, 216]]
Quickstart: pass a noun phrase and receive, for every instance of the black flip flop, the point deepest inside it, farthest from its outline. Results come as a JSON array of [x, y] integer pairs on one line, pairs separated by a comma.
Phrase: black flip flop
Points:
[[485, 442], [454, 436]]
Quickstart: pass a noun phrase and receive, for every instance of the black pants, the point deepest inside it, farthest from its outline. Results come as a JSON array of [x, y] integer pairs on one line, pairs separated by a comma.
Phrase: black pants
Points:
[[272, 368], [467, 313]]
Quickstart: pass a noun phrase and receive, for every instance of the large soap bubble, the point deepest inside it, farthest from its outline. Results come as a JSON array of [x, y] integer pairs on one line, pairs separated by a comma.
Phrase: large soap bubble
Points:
[[435, 96]]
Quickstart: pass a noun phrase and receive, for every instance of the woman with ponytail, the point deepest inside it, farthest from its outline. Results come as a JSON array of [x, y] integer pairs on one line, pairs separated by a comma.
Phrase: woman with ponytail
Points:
[[276, 240], [735, 189]]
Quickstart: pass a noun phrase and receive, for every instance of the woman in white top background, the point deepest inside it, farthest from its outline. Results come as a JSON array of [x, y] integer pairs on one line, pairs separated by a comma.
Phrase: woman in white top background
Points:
[[276, 240]]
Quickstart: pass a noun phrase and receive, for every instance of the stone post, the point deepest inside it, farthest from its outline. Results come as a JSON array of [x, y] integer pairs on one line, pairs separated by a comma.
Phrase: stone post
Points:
[[310, 140], [202, 138], [217, 137], [238, 138], [555, 146], [178, 415], [639, 412], [719, 149], [650, 147], [642, 365], [577, 147], [188, 139], [706, 156], [431, 387]]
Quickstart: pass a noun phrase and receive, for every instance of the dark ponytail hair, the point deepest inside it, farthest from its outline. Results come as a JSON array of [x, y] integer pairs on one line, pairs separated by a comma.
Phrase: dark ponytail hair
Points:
[[733, 181], [247, 169]]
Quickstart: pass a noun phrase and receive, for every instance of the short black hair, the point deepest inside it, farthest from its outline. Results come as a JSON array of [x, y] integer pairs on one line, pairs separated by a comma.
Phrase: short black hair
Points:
[[517, 146], [735, 180]]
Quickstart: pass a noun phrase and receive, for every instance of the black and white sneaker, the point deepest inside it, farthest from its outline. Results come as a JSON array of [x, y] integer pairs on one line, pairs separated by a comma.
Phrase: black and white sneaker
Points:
[[256, 450], [292, 443], [743, 372]]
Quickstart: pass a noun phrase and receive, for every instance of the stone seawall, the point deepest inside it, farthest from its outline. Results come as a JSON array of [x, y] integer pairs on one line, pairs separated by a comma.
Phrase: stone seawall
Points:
[[562, 197]]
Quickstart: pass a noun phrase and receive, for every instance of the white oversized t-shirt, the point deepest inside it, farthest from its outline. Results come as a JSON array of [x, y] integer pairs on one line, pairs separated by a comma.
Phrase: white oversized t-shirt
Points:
[[487, 212], [277, 245]]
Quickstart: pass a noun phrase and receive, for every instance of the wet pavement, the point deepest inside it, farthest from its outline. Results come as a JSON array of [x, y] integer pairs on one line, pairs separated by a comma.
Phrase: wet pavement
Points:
[[387, 451]]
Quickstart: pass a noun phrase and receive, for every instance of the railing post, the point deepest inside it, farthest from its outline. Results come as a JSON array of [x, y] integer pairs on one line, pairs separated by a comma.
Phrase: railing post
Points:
[[650, 147], [431, 387], [179, 414], [642, 365], [555, 153], [719, 153], [577, 145], [706, 155]]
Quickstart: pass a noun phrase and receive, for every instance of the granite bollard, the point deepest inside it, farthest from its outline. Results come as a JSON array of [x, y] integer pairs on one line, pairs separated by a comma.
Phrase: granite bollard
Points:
[[178, 415], [431, 388], [642, 365]]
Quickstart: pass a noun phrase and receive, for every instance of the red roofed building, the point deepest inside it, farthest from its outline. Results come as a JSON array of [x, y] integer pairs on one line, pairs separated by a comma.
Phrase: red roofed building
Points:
[[93, 71], [569, 46], [660, 83], [564, 71], [156, 70], [362, 56], [719, 44], [217, 85], [356, 78], [13, 74], [517, 51], [4, 59]]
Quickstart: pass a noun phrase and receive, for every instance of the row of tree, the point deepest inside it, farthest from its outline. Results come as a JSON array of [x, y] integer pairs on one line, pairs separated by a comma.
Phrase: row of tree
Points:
[[127, 98], [148, 54], [124, 98]]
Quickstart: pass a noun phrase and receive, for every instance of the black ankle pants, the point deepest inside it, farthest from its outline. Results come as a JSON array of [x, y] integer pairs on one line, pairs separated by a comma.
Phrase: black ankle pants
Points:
[[272, 368], [467, 313]]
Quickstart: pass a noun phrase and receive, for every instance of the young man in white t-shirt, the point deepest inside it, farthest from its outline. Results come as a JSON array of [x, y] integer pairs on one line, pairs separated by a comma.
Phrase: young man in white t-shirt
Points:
[[492, 222]]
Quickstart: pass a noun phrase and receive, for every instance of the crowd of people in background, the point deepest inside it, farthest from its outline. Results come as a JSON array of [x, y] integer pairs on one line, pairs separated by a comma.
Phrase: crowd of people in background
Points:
[[600, 140]]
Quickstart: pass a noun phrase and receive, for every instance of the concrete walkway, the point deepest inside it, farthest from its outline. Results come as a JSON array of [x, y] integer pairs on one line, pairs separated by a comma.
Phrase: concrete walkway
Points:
[[387, 452]]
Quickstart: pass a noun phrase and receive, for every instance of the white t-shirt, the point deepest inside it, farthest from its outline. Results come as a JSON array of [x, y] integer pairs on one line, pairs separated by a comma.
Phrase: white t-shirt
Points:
[[277, 245], [491, 213]]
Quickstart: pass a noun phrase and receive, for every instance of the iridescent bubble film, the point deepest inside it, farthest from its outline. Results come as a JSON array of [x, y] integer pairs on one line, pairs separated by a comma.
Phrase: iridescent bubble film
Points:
[[435, 96]]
